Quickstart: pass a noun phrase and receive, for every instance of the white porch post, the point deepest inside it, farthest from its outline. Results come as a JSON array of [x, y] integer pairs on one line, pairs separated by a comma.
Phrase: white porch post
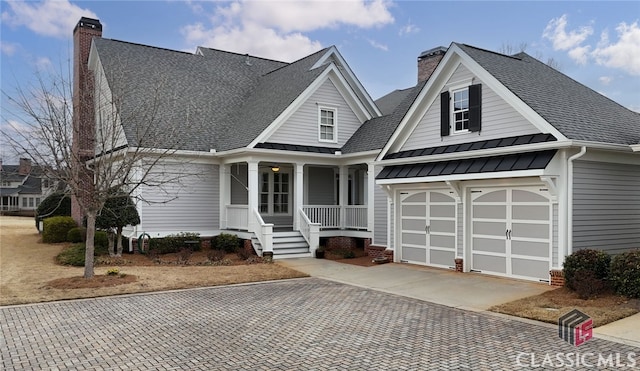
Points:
[[344, 188], [371, 197], [253, 193], [225, 195], [298, 194]]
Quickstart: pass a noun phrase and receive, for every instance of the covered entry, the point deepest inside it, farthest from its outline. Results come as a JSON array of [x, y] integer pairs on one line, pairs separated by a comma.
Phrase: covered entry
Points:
[[510, 232], [427, 227]]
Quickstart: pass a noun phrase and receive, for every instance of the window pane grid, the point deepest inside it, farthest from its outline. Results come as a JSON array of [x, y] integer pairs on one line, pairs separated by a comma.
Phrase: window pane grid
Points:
[[461, 110]]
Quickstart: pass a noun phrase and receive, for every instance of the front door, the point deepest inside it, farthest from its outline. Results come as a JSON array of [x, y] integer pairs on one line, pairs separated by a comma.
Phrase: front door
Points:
[[275, 192]]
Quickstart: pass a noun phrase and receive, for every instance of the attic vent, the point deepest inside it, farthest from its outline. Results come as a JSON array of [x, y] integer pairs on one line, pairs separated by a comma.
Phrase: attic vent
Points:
[[247, 60]]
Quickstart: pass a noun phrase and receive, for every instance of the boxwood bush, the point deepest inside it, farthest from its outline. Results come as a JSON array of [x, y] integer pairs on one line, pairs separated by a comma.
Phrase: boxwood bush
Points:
[[625, 273], [227, 242], [56, 229], [583, 264], [56, 204], [174, 243], [77, 234]]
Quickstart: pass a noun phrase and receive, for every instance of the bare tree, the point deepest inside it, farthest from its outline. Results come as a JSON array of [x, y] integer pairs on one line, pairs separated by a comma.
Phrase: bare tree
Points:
[[131, 143], [510, 49]]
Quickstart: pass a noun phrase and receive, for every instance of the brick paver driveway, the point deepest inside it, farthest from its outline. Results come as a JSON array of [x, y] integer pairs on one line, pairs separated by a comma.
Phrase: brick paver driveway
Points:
[[305, 324]]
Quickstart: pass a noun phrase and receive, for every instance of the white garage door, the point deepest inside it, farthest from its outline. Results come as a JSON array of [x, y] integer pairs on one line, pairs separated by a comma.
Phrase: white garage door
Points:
[[511, 232], [428, 228]]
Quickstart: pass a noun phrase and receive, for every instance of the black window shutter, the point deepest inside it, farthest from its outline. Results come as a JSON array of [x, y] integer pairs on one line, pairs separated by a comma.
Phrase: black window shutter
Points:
[[444, 114], [475, 109]]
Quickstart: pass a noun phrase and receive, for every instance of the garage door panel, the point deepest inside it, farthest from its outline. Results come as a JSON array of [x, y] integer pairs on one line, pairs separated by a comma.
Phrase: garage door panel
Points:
[[441, 257], [489, 245], [490, 228], [528, 248], [527, 230], [448, 242], [443, 211], [489, 211], [413, 225], [530, 268], [496, 264], [527, 196], [440, 197], [414, 254], [493, 196], [447, 226], [413, 210], [417, 197], [530, 212], [414, 239]]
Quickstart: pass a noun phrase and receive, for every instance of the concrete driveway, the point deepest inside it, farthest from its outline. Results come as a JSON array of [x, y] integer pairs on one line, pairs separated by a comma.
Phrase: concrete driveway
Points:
[[470, 291], [302, 324]]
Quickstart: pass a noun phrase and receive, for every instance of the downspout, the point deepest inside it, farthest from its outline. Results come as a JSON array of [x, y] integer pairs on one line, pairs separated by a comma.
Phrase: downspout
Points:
[[583, 150]]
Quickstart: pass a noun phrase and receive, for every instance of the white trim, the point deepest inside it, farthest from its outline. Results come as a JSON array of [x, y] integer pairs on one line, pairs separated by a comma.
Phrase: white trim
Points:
[[474, 176], [635, 147], [327, 108], [452, 110], [570, 161]]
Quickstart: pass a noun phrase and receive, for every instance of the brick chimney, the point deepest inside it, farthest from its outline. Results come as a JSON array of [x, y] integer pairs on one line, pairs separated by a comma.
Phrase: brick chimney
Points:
[[83, 109], [428, 61], [25, 166]]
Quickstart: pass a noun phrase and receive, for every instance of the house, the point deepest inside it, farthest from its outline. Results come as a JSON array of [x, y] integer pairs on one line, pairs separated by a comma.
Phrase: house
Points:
[[491, 163], [22, 188]]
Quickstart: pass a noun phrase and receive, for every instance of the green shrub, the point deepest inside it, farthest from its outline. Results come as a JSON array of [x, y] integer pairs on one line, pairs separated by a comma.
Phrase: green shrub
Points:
[[587, 285], [227, 242], [594, 261], [74, 255], [101, 240], [625, 273], [175, 243], [56, 229], [56, 204], [77, 234]]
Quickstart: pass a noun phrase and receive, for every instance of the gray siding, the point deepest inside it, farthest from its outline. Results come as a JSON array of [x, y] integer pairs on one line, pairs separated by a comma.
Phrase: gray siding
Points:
[[321, 186], [189, 205], [302, 127], [606, 206], [499, 120], [380, 215], [460, 231]]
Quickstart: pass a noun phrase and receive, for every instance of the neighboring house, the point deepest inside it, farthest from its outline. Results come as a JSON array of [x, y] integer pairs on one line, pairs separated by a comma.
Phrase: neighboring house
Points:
[[483, 161], [23, 187]]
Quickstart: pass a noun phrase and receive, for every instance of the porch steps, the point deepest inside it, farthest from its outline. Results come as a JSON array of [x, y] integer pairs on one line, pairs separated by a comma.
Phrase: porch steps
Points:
[[289, 244]]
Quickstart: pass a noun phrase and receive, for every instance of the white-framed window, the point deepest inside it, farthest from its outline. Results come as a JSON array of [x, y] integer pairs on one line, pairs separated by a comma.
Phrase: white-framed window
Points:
[[30, 201], [327, 124], [24, 202], [460, 110], [37, 201]]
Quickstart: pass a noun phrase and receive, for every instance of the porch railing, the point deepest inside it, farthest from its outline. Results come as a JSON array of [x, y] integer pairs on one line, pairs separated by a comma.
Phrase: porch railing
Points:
[[328, 216], [238, 217], [263, 232], [310, 231]]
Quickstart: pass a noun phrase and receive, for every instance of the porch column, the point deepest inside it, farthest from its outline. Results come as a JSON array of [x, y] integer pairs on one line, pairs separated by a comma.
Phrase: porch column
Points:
[[371, 196], [224, 194], [253, 192], [344, 196], [298, 194]]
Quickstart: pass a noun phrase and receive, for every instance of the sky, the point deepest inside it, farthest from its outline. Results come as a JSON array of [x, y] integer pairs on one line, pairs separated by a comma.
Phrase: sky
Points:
[[597, 43]]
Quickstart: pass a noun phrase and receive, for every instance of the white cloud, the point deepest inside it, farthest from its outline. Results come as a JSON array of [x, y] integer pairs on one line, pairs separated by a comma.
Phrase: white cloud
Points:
[[8, 48], [49, 18], [563, 40], [43, 63], [275, 29], [580, 54], [605, 80], [623, 54], [409, 28], [377, 45]]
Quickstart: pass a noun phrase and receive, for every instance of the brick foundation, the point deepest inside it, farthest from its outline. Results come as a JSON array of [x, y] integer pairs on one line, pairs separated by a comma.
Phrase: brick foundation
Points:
[[336, 243], [557, 277], [378, 251], [459, 264]]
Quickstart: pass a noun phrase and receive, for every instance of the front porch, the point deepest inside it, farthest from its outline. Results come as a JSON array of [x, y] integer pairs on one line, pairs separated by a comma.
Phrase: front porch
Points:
[[276, 204]]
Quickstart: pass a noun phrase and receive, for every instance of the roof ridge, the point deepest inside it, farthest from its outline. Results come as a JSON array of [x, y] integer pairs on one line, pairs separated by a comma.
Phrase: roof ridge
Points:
[[296, 61], [148, 46], [242, 54], [514, 56]]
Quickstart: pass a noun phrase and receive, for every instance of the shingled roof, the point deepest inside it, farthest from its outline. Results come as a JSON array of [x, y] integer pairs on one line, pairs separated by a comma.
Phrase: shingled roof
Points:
[[211, 99], [575, 110]]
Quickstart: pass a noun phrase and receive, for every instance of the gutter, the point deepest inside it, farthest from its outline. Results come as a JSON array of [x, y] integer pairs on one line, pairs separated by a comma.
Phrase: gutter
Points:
[[570, 161], [635, 147]]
